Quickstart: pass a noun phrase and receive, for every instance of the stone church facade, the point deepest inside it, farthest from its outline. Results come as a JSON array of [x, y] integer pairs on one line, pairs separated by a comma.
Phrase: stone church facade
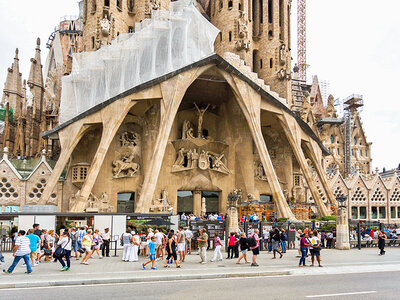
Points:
[[183, 141]]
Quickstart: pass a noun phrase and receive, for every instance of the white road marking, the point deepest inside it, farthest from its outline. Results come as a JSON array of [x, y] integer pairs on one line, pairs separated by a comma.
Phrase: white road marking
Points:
[[341, 294]]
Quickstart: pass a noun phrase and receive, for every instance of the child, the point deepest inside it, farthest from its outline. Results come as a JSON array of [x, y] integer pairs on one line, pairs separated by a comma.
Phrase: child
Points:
[[152, 251], [218, 245]]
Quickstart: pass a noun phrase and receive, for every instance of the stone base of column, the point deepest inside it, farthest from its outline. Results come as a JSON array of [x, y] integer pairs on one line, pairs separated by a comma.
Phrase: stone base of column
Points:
[[342, 237]]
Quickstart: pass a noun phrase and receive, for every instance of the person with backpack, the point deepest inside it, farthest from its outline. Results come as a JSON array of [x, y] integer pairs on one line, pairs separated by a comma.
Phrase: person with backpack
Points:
[[254, 243], [276, 239], [283, 240], [74, 243], [244, 247], [126, 242], [65, 246]]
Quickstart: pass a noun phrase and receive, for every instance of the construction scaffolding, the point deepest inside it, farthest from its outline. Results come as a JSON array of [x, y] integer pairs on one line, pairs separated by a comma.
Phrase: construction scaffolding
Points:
[[301, 39], [266, 211]]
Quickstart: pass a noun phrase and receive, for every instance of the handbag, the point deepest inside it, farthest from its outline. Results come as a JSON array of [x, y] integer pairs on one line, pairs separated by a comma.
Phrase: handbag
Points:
[[60, 252], [47, 252]]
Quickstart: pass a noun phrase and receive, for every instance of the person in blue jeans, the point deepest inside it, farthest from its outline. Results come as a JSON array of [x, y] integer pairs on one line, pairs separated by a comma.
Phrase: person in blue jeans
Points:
[[303, 248], [283, 240], [65, 243], [21, 251]]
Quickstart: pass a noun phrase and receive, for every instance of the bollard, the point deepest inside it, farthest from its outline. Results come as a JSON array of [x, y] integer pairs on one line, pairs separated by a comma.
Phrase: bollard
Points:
[[359, 235], [115, 248]]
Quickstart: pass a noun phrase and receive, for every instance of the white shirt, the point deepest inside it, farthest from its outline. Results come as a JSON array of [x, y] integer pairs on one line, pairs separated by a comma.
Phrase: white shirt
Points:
[[149, 236], [24, 246], [65, 243], [106, 236], [188, 234], [159, 236]]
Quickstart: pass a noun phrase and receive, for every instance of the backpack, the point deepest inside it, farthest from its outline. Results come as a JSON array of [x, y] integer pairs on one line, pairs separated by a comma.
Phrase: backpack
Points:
[[252, 242]]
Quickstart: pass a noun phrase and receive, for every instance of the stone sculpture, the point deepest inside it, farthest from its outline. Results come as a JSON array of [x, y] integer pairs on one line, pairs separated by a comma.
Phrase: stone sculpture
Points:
[[180, 160], [201, 113], [187, 130], [259, 172], [105, 24], [125, 167], [129, 139]]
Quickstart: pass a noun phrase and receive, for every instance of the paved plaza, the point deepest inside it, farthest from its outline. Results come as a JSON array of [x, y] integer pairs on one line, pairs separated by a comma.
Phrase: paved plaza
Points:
[[113, 270]]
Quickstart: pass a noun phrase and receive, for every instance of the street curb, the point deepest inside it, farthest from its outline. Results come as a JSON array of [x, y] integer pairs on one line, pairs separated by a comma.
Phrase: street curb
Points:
[[137, 279]]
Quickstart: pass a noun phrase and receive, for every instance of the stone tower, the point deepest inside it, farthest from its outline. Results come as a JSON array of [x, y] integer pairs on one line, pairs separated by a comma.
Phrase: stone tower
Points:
[[259, 32], [35, 103]]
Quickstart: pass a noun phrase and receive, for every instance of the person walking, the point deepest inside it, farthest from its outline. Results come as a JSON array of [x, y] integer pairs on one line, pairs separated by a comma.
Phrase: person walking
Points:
[[203, 241], [323, 238], [329, 238], [152, 254], [97, 241], [65, 244], [218, 245], [37, 231], [181, 244], [244, 247], [171, 250], [381, 242], [303, 248], [126, 242], [159, 242], [87, 243], [74, 243], [315, 249], [276, 239], [21, 250], [254, 243], [231, 245], [34, 244], [106, 237], [79, 237]]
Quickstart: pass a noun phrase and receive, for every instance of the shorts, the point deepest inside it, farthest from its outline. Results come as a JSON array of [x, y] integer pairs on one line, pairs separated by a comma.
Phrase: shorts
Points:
[[173, 254], [181, 247], [152, 257], [158, 246], [315, 252], [256, 251], [75, 247], [38, 250], [244, 252], [87, 248]]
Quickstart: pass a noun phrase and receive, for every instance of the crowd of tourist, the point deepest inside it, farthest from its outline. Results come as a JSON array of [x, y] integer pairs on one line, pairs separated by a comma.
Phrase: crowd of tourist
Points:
[[38, 246]]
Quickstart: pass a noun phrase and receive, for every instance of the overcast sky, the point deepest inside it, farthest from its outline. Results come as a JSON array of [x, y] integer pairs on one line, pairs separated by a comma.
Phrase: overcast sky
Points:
[[351, 43]]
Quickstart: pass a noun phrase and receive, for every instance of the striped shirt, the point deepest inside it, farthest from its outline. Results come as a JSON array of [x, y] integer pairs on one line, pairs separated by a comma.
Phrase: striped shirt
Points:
[[24, 246], [81, 234]]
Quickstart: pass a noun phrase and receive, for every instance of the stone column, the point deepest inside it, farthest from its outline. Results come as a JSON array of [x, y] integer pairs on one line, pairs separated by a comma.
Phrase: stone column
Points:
[[233, 220], [197, 203], [342, 230]]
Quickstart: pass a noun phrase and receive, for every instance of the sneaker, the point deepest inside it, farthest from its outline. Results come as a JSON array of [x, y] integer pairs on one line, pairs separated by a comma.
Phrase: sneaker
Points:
[[154, 268], [144, 267], [36, 263], [254, 265], [67, 269], [212, 260], [6, 272], [29, 273], [100, 257], [203, 262], [64, 268]]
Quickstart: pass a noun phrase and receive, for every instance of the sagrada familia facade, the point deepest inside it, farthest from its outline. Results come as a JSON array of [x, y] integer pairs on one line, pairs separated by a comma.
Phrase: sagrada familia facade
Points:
[[158, 105]]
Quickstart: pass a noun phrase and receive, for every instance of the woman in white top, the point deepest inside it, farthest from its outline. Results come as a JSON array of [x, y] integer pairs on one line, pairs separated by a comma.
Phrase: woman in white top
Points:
[[126, 242], [135, 248], [87, 243], [65, 244]]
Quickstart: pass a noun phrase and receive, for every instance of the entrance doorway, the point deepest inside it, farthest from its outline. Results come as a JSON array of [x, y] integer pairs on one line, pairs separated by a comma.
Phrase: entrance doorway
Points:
[[185, 202], [126, 203], [212, 201]]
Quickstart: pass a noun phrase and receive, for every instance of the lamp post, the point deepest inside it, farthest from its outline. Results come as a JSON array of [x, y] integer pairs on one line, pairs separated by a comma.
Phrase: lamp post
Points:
[[233, 224], [342, 224]]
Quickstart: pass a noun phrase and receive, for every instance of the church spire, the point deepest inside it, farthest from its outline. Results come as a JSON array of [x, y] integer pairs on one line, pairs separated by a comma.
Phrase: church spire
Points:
[[12, 92]]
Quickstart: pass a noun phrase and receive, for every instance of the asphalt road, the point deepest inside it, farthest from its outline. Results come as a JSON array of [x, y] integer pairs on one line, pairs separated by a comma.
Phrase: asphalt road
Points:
[[364, 286]]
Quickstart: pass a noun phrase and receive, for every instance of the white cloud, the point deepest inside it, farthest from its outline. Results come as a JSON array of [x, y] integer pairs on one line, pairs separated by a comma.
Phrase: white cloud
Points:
[[353, 44]]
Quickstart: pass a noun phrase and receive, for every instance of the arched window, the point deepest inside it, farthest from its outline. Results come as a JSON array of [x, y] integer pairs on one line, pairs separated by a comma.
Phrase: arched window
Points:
[[332, 139], [230, 36], [230, 4], [261, 64], [93, 42], [94, 6], [270, 11], [355, 141], [119, 4], [221, 4], [271, 63], [107, 3], [131, 5]]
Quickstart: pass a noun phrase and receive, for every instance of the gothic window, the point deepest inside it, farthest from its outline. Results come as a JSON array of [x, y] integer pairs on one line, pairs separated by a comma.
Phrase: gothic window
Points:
[[119, 4], [378, 195], [354, 212], [280, 12], [358, 195], [240, 6], [230, 4], [393, 212], [220, 36], [261, 64], [271, 63], [332, 139], [355, 141], [395, 195], [382, 212], [270, 11], [363, 212], [230, 36], [331, 170], [260, 6], [270, 35], [131, 5], [107, 3], [93, 43]]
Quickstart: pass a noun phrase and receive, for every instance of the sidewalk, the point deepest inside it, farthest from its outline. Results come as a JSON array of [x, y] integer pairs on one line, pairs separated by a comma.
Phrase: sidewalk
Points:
[[113, 270]]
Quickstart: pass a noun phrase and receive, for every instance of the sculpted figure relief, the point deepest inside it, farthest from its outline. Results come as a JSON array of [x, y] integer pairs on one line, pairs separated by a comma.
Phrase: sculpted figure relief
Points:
[[201, 113], [243, 31], [105, 24], [259, 172], [129, 139], [187, 130], [125, 167]]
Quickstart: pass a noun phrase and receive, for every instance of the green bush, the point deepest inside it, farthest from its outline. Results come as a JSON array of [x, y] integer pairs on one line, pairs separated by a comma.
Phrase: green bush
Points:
[[328, 218], [327, 227], [282, 220]]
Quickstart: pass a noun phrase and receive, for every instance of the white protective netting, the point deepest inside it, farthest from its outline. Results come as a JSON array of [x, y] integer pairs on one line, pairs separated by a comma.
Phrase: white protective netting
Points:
[[168, 41]]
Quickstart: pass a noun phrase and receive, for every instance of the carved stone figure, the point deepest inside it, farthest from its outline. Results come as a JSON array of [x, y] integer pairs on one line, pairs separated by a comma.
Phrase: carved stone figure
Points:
[[250, 197], [104, 205], [155, 4], [187, 130], [189, 159], [259, 170], [105, 24], [203, 160], [195, 158], [243, 31], [125, 166], [129, 139], [219, 165], [180, 159], [201, 113], [282, 55]]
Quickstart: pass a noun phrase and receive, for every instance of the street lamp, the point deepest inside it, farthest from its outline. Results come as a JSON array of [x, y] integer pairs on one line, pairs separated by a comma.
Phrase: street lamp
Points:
[[341, 201]]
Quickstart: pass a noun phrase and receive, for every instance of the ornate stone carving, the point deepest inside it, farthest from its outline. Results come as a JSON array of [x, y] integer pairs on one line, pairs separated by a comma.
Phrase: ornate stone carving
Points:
[[129, 139], [259, 172], [105, 24], [187, 130], [201, 113], [125, 167], [243, 43], [282, 55], [191, 159]]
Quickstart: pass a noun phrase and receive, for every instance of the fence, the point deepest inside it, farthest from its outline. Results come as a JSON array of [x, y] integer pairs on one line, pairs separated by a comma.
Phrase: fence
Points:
[[5, 245]]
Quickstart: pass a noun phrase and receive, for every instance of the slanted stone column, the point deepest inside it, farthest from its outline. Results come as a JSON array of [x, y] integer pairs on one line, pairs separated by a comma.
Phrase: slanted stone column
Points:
[[342, 229], [197, 203]]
